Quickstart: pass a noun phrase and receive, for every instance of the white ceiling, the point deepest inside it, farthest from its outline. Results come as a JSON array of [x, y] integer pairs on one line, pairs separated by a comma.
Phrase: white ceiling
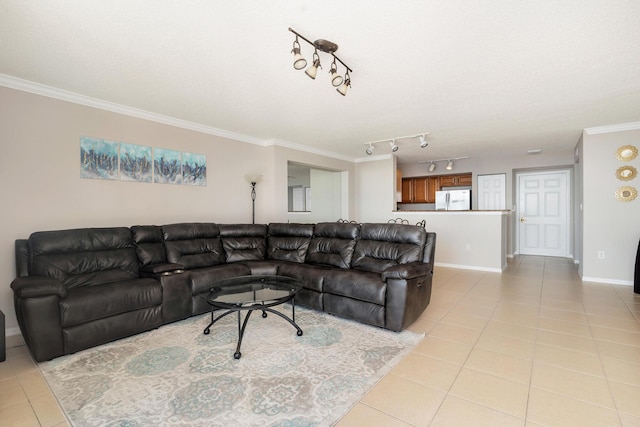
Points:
[[481, 76]]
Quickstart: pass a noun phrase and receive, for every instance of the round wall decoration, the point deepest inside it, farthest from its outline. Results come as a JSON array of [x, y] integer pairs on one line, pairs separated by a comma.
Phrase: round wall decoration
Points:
[[626, 153], [626, 173], [626, 194]]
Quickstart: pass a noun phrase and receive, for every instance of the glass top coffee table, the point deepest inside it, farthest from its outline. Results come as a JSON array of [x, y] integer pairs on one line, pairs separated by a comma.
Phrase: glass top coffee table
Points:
[[249, 293]]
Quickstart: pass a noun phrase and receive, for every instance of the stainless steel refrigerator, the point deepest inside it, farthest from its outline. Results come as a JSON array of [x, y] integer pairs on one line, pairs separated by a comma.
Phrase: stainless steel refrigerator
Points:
[[453, 200]]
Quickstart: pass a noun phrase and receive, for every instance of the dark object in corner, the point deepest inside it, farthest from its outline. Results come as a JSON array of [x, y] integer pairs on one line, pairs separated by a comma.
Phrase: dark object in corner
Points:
[[636, 275], [3, 348]]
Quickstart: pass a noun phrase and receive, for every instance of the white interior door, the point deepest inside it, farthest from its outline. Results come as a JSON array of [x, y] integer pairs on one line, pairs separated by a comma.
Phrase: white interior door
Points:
[[492, 190], [543, 213]]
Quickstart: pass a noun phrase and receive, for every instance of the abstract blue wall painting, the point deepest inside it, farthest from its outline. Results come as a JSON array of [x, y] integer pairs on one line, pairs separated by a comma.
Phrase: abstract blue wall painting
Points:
[[167, 166], [98, 158], [135, 163], [194, 169]]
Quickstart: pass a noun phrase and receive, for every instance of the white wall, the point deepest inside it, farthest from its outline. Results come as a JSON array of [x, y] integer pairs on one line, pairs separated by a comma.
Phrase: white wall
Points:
[[42, 189], [609, 225], [375, 188]]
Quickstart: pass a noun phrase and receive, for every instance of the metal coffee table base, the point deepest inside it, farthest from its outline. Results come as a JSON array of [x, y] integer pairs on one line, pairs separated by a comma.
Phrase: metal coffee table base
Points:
[[242, 328]]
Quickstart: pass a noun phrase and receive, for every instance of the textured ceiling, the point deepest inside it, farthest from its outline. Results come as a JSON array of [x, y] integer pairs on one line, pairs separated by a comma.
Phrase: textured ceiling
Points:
[[481, 76]]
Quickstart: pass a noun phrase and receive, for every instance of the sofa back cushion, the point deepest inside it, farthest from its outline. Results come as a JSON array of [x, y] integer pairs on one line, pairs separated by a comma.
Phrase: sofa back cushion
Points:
[[82, 257], [193, 244], [384, 245], [243, 242], [148, 243], [332, 244], [289, 242]]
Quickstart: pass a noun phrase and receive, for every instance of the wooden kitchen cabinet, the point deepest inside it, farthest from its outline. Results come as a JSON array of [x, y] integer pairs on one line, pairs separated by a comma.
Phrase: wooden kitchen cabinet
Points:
[[419, 189], [455, 180], [415, 190], [422, 189]]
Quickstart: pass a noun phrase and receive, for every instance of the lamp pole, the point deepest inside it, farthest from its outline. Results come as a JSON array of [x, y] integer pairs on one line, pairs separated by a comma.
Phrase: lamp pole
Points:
[[253, 202], [253, 179]]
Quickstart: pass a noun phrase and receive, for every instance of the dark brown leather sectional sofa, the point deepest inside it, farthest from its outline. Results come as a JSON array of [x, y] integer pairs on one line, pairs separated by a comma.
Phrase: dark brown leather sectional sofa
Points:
[[84, 287]]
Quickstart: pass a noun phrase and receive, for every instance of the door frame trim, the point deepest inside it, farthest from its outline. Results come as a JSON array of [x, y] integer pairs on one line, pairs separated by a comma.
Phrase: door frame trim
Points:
[[569, 214]]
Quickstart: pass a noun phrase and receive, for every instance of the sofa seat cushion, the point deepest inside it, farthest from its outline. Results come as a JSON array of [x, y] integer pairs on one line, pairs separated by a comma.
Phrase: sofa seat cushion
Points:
[[360, 285], [203, 279], [88, 303], [311, 276]]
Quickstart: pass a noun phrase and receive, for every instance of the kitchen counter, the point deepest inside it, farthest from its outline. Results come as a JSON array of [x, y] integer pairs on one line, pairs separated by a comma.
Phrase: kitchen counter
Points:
[[476, 240]]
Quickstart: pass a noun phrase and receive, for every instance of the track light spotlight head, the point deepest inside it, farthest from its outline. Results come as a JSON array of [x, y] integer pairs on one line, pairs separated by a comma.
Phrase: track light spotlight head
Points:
[[449, 165], [394, 146], [345, 86], [370, 149], [336, 79], [298, 60], [432, 167], [423, 141], [312, 71]]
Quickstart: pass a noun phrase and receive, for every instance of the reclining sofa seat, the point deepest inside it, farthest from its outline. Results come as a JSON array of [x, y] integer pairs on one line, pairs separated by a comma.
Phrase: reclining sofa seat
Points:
[[80, 288], [198, 248]]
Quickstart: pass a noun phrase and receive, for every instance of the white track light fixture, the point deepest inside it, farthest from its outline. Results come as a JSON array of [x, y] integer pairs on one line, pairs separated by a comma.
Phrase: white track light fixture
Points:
[[337, 81], [422, 138], [423, 141], [449, 161], [370, 150]]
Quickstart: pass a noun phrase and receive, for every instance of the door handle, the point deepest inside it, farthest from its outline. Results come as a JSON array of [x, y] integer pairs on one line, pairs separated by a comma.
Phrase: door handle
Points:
[[522, 219]]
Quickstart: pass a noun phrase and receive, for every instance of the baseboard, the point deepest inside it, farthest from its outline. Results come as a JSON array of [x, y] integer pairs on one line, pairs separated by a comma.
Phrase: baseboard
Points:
[[13, 331], [608, 281], [469, 267]]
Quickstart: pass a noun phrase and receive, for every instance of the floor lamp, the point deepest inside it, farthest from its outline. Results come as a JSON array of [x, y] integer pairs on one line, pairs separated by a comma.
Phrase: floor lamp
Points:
[[253, 179]]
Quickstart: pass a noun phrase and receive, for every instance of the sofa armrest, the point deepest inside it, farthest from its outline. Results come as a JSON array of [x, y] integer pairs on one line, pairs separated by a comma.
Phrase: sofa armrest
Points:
[[406, 271], [37, 286], [161, 269]]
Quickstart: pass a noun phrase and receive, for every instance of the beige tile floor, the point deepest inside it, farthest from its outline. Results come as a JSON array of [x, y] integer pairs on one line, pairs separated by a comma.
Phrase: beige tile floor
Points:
[[533, 346]]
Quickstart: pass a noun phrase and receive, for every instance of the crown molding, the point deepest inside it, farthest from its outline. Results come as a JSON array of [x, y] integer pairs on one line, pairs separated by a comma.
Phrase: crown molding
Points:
[[312, 150], [373, 158], [612, 128], [76, 98]]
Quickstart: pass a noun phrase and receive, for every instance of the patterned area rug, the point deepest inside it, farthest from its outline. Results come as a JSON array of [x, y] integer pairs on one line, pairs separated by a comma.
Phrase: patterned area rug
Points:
[[177, 376]]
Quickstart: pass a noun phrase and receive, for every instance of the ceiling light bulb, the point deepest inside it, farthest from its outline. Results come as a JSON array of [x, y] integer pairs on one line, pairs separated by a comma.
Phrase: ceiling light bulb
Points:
[[449, 165], [394, 147], [336, 79], [312, 71], [432, 167], [369, 150], [423, 141], [298, 60]]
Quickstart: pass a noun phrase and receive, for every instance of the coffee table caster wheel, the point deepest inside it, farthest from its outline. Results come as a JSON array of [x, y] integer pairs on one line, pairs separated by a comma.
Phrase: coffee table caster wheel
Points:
[[206, 331], [299, 333], [264, 314], [237, 355]]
